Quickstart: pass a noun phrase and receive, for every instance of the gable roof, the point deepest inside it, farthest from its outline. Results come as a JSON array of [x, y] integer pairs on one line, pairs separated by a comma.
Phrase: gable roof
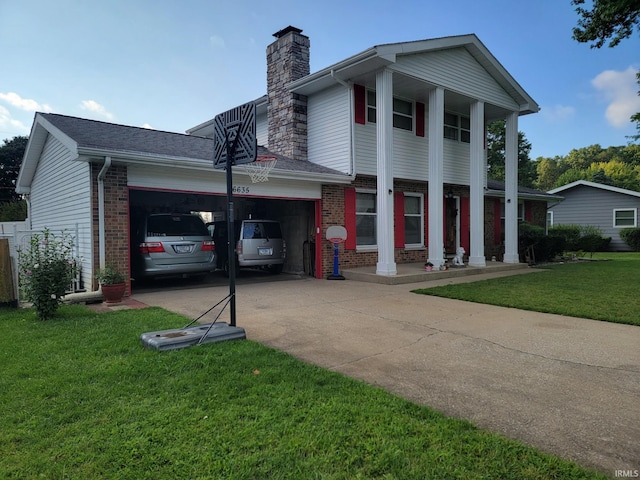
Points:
[[601, 186], [380, 56], [127, 144]]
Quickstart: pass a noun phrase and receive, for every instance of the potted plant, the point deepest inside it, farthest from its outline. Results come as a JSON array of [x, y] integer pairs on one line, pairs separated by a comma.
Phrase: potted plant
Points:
[[428, 266], [112, 283]]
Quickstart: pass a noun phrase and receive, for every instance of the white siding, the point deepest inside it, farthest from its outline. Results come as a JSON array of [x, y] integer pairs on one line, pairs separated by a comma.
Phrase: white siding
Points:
[[61, 198], [329, 132], [214, 182], [262, 131], [365, 149], [456, 70], [456, 162]]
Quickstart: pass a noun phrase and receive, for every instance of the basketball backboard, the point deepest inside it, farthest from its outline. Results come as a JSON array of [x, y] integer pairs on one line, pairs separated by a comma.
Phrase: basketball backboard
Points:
[[235, 129]]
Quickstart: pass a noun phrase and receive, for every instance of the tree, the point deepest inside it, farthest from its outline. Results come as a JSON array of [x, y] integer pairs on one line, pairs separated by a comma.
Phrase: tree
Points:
[[609, 19], [612, 20], [636, 118], [11, 153], [496, 132], [548, 169]]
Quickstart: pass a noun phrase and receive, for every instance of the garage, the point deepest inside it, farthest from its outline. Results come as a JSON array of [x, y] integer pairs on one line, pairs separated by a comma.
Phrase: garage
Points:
[[296, 216]]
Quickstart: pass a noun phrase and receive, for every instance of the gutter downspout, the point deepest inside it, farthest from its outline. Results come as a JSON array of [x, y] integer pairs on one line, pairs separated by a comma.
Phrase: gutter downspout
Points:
[[101, 228], [352, 155]]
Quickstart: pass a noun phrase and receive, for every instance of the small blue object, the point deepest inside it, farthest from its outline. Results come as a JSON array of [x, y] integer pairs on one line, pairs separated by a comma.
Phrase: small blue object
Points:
[[336, 270]]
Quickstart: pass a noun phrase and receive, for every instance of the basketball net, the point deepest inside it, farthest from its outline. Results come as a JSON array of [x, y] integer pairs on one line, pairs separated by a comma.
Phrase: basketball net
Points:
[[260, 169]]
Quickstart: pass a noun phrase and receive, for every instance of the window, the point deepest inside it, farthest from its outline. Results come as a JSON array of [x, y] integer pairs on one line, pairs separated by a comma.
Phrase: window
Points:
[[402, 114], [366, 219], [625, 218], [549, 219], [402, 111], [457, 127], [413, 220], [520, 211]]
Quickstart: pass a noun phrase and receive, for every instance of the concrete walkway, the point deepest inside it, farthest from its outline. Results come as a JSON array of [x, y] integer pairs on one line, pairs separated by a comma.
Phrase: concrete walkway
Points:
[[567, 386]]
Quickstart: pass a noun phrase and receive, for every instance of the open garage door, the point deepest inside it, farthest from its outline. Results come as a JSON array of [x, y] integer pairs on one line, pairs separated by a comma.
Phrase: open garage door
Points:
[[297, 217]]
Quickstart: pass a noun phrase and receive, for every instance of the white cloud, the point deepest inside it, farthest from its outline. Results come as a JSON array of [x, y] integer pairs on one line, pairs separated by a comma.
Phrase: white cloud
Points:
[[620, 90], [27, 104], [557, 113], [9, 125], [94, 107], [146, 125], [216, 41]]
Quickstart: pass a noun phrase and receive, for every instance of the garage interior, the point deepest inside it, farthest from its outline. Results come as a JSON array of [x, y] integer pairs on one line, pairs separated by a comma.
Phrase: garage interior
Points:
[[296, 217]]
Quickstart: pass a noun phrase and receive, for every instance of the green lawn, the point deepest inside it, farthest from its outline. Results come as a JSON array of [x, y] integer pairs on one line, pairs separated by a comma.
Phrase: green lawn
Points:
[[604, 289], [81, 399]]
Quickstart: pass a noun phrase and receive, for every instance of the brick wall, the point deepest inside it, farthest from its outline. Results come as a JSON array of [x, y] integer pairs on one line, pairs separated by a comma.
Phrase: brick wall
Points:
[[116, 200], [333, 214]]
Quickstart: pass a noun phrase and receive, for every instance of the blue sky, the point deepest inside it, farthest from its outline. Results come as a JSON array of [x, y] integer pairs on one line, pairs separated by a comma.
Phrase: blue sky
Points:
[[171, 65]]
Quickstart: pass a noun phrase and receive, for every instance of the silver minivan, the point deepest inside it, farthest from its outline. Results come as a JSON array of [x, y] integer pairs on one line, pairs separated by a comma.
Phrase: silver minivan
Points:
[[173, 244], [259, 244]]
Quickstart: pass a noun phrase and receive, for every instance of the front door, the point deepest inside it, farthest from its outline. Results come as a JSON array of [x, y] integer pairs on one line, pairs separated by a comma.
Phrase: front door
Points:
[[451, 225]]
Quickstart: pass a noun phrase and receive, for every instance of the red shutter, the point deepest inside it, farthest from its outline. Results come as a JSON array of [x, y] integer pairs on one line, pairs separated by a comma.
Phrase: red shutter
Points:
[[497, 228], [465, 224], [419, 119], [350, 217], [528, 212], [398, 207], [360, 104]]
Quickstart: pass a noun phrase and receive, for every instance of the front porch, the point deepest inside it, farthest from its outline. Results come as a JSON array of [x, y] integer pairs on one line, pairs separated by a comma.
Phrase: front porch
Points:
[[415, 272]]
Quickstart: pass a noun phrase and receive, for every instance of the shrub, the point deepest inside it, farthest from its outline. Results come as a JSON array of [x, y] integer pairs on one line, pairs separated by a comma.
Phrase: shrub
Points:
[[571, 234], [109, 275], [631, 236], [15, 211], [46, 269]]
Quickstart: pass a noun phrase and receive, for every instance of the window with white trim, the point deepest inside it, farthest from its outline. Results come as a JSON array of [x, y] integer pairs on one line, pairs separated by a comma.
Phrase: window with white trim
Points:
[[413, 220], [402, 111], [366, 219], [457, 127], [549, 219], [520, 211], [625, 217]]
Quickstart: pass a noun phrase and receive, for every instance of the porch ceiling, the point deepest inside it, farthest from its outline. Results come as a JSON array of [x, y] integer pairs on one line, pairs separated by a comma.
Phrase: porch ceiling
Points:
[[412, 88]]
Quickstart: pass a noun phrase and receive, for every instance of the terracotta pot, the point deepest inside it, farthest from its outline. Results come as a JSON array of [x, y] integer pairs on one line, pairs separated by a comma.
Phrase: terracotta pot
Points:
[[113, 293]]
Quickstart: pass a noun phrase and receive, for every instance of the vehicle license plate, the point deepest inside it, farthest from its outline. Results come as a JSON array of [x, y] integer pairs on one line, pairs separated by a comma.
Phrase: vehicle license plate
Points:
[[182, 248], [265, 251]]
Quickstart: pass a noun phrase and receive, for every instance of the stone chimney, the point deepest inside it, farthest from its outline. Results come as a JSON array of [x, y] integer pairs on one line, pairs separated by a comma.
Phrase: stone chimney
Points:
[[287, 60]]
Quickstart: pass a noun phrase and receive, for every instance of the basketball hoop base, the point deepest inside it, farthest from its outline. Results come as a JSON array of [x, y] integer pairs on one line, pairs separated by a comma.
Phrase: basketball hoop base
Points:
[[335, 277]]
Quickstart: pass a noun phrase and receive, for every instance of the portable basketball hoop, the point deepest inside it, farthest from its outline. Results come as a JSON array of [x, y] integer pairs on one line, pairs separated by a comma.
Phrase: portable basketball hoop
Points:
[[260, 169], [336, 234]]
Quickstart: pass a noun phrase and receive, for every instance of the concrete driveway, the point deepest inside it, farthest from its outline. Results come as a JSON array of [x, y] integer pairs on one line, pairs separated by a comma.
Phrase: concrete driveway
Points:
[[567, 386]]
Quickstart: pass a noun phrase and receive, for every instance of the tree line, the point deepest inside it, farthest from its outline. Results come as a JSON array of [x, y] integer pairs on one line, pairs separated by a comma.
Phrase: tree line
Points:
[[615, 166]]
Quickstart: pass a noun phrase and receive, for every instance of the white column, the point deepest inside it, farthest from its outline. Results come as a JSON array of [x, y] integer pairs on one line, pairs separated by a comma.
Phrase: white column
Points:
[[476, 187], [511, 190], [384, 132], [436, 176]]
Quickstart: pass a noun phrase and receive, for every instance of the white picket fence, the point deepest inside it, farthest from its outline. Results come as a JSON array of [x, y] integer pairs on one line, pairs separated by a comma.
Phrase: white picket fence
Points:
[[19, 237]]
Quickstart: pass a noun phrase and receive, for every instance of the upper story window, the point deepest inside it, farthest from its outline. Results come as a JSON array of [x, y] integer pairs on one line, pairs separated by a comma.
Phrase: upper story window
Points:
[[625, 218], [402, 111], [457, 127]]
